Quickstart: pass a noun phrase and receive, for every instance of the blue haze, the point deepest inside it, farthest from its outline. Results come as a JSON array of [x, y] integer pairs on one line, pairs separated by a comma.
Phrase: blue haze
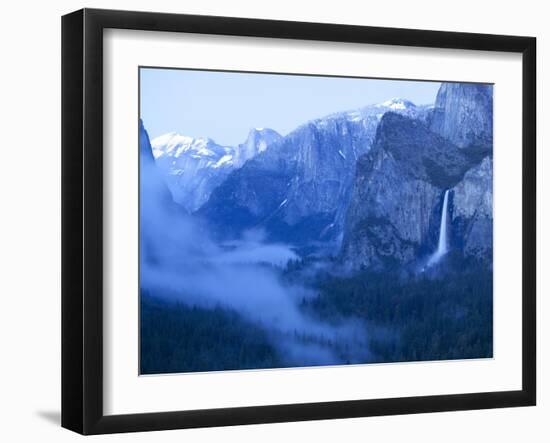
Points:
[[284, 262]]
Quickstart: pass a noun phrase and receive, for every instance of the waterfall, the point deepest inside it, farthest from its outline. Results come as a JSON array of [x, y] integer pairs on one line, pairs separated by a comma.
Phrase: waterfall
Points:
[[442, 244]]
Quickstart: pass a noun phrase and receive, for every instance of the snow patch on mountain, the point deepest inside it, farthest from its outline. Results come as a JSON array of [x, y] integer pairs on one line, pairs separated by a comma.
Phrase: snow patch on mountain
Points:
[[193, 167], [397, 104], [372, 114]]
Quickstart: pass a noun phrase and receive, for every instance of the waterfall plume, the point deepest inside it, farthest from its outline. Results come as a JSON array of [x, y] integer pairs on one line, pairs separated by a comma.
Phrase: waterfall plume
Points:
[[442, 244]]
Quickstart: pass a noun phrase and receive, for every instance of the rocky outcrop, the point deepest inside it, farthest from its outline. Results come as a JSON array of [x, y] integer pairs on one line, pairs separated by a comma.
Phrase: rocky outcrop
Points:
[[397, 191], [420, 153], [463, 114], [394, 216], [258, 140], [472, 213]]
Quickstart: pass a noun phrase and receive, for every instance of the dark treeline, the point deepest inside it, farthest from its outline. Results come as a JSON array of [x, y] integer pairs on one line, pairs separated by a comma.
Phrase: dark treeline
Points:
[[178, 338], [420, 318]]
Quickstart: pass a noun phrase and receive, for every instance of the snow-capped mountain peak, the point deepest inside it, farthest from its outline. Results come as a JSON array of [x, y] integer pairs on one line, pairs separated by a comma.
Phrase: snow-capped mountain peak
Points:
[[193, 167], [397, 104], [373, 113], [175, 145]]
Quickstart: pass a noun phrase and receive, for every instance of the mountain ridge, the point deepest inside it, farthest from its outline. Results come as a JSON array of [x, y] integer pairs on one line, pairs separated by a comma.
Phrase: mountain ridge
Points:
[[311, 169], [193, 167]]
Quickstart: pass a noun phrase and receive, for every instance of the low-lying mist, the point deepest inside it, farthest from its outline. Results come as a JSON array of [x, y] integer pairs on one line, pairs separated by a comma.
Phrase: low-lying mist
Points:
[[180, 262]]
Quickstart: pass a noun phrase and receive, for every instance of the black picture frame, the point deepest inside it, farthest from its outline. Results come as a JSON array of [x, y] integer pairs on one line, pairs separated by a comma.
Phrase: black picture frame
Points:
[[82, 221]]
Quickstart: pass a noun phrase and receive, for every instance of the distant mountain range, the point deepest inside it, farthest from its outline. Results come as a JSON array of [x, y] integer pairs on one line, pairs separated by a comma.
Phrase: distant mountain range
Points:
[[194, 167], [365, 185], [299, 188]]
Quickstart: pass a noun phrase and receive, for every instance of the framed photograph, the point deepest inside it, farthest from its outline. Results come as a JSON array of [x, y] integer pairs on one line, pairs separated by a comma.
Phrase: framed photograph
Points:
[[269, 221]]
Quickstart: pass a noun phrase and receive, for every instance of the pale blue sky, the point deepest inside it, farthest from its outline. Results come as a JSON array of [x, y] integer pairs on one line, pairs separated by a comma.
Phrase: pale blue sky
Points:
[[225, 105]]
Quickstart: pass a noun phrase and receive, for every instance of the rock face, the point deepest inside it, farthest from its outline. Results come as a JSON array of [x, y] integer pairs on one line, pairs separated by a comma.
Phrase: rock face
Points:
[[394, 215], [419, 152], [463, 114], [472, 215], [299, 189], [398, 188], [257, 142], [194, 167]]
